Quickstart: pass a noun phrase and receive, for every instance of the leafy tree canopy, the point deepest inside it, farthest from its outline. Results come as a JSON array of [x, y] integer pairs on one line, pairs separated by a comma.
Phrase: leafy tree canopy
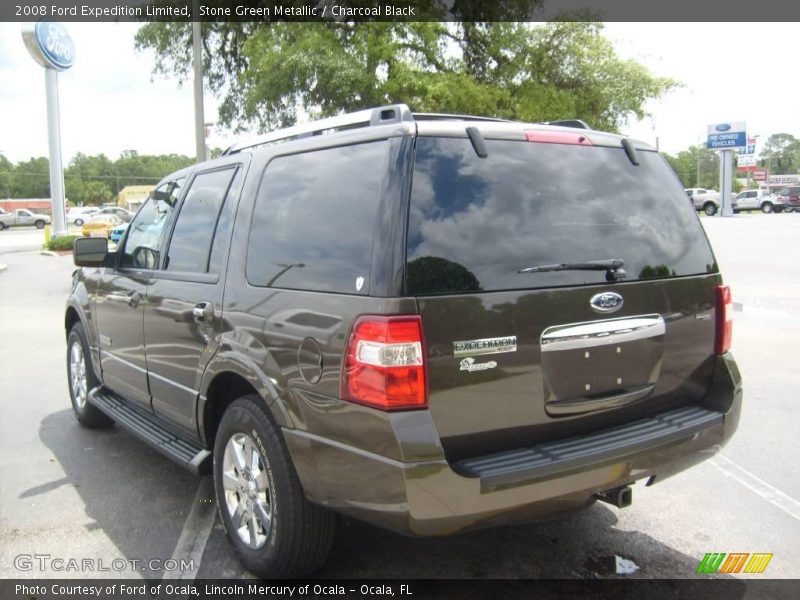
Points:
[[90, 180], [781, 154], [269, 74], [696, 167]]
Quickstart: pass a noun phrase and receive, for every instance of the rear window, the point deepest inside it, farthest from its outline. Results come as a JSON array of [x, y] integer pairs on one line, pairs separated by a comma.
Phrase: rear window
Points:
[[314, 218], [474, 223]]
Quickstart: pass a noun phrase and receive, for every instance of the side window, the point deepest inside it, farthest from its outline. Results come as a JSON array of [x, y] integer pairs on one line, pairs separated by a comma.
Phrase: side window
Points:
[[314, 218], [190, 247], [143, 241], [224, 224]]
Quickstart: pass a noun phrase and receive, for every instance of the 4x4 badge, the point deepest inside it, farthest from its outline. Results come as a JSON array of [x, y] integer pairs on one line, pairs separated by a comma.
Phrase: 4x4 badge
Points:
[[469, 364], [606, 302]]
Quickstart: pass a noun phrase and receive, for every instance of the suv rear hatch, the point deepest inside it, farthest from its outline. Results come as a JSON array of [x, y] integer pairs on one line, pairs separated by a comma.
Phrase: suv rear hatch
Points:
[[563, 288]]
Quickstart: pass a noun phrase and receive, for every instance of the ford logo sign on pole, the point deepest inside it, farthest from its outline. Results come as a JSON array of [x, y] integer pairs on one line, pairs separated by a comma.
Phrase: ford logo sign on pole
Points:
[[726, 137], [51, 46]]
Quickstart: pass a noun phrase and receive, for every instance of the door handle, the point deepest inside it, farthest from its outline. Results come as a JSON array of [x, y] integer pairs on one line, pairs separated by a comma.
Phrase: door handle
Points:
[[203, 312], [131, 298]]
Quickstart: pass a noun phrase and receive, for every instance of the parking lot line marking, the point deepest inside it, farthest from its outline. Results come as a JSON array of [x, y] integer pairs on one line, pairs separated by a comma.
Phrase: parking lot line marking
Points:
[[757, 485], [196, 529]]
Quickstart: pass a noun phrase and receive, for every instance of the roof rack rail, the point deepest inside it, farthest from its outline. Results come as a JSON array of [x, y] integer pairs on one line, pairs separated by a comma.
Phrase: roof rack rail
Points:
[[383, 115], [576, 123], [447, 116]]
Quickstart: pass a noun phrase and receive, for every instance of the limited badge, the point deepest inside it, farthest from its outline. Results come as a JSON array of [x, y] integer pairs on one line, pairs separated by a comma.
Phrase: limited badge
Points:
[[469, 364]]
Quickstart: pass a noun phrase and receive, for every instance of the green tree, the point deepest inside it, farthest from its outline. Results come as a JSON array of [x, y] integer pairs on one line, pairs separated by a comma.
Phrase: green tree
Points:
[[268, 74], [696, 160], [781, 154], [6, 176], [31, 179], [97, 192]]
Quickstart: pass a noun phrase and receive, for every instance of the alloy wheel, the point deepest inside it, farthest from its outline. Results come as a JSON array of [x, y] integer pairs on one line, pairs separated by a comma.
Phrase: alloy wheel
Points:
[[77, 373], [248, 494]]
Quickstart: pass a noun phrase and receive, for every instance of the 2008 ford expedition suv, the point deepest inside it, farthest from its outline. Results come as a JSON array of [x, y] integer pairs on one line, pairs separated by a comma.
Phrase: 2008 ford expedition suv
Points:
[[428, 322]]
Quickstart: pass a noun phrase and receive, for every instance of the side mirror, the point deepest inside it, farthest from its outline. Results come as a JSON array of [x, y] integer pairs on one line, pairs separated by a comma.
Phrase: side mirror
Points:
[[90, 252]]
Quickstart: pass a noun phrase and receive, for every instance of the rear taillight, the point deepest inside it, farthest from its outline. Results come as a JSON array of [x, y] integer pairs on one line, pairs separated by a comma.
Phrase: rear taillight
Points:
[[557, 137], [724, 319], [384, 363]]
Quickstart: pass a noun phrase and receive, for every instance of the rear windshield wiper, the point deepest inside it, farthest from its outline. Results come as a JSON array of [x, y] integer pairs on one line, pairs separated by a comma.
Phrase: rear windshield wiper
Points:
[[612, 267]]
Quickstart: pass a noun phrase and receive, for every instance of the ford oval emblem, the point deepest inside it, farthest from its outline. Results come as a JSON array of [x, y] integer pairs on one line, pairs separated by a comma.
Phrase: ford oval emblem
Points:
[[606, 302], [722, 127], [55, 44]]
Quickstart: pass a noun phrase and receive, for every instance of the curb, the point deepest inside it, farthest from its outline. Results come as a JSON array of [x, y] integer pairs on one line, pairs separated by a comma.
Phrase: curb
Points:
[[3, 267], [48, 253]]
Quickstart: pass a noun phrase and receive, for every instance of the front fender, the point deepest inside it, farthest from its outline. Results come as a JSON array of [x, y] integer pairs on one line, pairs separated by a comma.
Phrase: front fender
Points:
[[79, 302]]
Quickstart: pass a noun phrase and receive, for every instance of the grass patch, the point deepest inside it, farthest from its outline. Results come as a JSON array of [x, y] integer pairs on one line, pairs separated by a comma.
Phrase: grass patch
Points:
[[61, 243]]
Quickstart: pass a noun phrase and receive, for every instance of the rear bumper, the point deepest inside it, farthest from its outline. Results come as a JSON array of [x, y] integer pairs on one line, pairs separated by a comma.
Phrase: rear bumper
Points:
[[433, 497]]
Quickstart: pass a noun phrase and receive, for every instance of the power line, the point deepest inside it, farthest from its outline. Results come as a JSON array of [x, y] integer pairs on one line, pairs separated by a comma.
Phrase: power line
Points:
[[76, 176]]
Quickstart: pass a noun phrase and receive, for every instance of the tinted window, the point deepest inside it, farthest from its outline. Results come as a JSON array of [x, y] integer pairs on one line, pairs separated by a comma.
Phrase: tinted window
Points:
[[224, 224], [143, 241], [474, 223], [314, 218], [191, 241]]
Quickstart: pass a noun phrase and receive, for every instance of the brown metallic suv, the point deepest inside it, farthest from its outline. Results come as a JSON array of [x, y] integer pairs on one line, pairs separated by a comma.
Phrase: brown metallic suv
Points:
[[428, 322]]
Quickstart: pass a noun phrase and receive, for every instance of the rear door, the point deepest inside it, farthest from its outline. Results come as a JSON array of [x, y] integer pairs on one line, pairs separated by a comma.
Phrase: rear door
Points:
[[183, 315], [520, 351], [749, 200]]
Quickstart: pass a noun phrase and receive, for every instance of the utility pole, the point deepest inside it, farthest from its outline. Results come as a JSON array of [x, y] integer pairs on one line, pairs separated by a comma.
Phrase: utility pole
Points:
[[697, 152], [197, 57]]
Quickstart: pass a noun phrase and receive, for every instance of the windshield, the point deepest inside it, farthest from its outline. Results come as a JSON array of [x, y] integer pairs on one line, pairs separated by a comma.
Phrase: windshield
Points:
[[475, 222]]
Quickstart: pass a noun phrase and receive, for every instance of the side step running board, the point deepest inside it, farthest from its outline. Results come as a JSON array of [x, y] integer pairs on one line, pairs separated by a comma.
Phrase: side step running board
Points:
[[144, 426]]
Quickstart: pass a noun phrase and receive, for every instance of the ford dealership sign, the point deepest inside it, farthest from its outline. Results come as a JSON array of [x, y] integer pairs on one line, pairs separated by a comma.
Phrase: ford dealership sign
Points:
[[727, 136], [50, 45]]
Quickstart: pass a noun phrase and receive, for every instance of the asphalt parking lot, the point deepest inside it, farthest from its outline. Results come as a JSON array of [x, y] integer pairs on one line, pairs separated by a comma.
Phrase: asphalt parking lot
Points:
[[70, 492]]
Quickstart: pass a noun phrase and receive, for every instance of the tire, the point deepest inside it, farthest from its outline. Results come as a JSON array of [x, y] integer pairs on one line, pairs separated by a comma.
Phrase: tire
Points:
[[81, 379], [710, 209], [39, 224], [2, 226], [292, 536], [788, 210], [78, 222], [767, 208]]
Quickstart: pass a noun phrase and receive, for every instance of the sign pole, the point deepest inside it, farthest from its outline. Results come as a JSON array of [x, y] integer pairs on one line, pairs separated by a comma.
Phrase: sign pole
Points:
[[727, 137], [54, 143], [50, 45], [726, 182]]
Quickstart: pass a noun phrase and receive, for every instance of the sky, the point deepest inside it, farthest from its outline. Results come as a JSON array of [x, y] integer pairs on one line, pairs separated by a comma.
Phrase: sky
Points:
[[111, 102]]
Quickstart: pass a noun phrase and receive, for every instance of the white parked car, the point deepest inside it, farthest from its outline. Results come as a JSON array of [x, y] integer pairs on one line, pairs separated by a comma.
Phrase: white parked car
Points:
[[78, 215], [757, 200], [704, 199]]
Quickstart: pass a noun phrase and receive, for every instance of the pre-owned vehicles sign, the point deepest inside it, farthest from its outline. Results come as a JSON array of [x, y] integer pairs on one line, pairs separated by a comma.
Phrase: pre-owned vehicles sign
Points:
[[727, 136]]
